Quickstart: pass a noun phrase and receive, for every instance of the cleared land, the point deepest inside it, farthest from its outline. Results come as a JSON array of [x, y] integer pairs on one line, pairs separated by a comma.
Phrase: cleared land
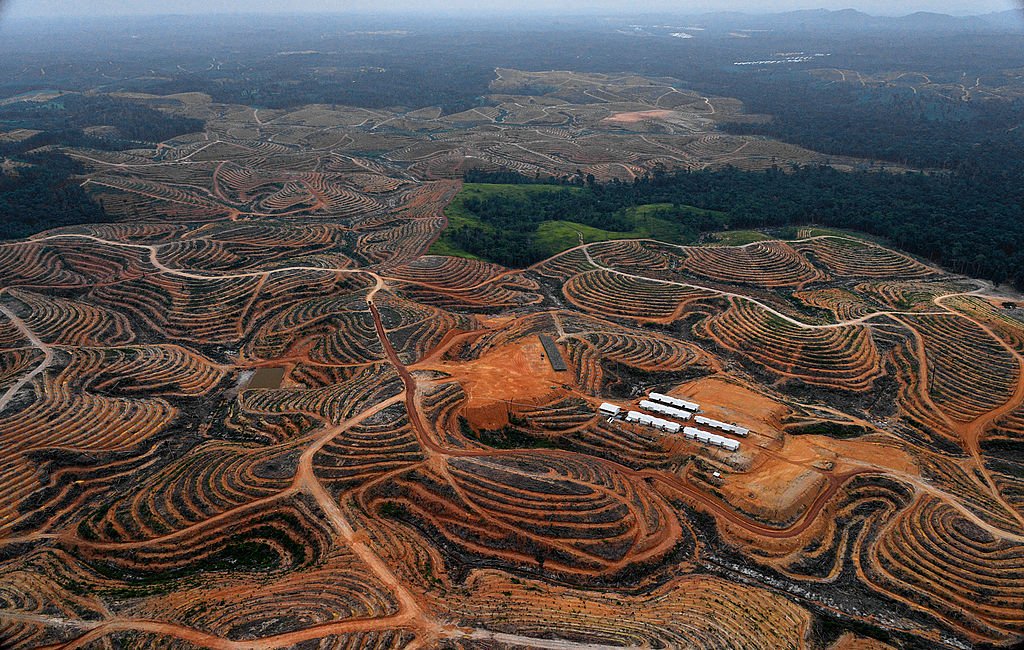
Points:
[[421, 476]]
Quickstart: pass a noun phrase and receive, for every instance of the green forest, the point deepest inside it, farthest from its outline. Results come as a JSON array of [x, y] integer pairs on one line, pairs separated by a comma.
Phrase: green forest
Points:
[[40, 192], [921, 129], [968, 223], [42, 195], [63, 121], [965, 215], [517, 224]]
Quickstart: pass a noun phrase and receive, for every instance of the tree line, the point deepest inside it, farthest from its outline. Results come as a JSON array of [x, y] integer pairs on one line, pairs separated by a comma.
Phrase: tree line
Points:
[[970, 223], [43, 195], [38, 192]]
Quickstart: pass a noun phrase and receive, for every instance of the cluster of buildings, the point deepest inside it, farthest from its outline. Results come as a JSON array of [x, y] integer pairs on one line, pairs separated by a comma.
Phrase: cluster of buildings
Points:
[[666, 405], [671, 411], [790, 57]]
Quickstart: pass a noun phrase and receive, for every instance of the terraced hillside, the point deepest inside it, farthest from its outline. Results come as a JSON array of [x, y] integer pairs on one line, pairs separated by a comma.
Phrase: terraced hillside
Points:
[[416, 474]]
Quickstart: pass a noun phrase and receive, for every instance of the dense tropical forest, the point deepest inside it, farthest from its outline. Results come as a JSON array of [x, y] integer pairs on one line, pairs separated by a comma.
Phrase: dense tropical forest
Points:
[[925, 130], [517, 221], [93, 121], [37, 188], [966, 213], [970, 223], [41, 194]]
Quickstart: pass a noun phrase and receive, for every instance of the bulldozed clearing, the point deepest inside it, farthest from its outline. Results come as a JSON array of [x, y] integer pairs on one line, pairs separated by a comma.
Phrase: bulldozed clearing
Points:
[[355, 494]]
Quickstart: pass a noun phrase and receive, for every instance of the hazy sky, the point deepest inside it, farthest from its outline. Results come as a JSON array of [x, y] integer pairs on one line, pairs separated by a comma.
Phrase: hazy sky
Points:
[[22, 8]]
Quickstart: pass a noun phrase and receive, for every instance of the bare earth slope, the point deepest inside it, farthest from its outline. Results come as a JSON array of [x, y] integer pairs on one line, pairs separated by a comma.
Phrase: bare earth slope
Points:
[[421, 476]]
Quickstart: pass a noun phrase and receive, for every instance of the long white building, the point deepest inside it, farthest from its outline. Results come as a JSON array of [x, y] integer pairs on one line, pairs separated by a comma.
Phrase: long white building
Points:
[[610, 410], [674, 401], [722, 426], [711, 439], [670, 411], [651, 421]]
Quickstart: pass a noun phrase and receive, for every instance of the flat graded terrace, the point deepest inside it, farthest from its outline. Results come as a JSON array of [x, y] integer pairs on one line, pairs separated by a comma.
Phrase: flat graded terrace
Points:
[[405, 469]]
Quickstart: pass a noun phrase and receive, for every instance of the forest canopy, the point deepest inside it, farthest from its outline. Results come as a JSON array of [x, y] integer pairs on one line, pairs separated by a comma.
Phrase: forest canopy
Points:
[[38, 191], [42, 195], [969, 224]]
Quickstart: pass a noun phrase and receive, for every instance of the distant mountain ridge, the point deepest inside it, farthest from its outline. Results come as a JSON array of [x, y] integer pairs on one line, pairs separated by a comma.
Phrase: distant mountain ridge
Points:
[[854, 20], [711, 23]]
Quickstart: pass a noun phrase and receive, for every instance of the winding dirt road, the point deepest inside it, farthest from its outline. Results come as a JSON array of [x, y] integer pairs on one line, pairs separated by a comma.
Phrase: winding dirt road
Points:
[[411, 615]]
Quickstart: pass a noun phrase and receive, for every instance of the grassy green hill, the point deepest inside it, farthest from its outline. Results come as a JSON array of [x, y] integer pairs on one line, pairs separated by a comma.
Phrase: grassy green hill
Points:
[[518, 225]]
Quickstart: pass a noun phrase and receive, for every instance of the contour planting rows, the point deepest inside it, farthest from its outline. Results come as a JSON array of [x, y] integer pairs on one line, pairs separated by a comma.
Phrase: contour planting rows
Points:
[[699, 612], [851, 258], [972, 374], [252, 412], [213, 479], [941, 560], [771, 264], [608, 292], [840, 357], [572, 517]]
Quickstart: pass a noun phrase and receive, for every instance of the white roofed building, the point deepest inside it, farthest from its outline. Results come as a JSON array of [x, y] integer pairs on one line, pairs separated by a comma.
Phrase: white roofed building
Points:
[[674, 401], [653, 422], [610, 410], [663, 409], [722, 426]]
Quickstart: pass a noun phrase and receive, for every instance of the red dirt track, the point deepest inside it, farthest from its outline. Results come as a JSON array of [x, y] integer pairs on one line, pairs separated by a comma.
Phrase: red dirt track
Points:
[[420, 476]]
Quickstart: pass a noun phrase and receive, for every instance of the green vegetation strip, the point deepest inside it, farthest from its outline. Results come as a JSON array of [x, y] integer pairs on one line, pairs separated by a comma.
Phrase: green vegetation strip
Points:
[[945, 217], [520, 224]]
